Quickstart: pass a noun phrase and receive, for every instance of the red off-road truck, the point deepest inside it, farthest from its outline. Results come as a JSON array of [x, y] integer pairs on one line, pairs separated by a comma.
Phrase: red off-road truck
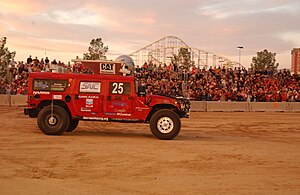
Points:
[[60, 100]]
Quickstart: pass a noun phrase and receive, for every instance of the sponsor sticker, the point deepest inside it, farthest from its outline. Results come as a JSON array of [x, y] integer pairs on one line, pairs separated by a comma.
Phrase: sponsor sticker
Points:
[[123, 114], [41, 92], [95, 118], [122, 104], [110, 113], [107, 68], [90, 87], [88, 96], [83, 109], [89, 103], [57, 97], [119, 110]]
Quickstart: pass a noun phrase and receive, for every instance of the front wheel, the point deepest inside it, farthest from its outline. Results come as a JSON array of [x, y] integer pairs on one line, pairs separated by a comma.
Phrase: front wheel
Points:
[[165, 124], [53, 120]]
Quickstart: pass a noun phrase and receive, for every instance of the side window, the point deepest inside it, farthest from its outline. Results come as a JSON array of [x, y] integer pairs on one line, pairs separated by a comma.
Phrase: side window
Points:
[[90, 87], [41, 85], [57, 85], [118, 88], [49, 85]]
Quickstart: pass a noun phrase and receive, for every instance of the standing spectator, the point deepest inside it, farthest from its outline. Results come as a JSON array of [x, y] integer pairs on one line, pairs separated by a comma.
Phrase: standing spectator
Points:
[[29, 60], [47, 60]]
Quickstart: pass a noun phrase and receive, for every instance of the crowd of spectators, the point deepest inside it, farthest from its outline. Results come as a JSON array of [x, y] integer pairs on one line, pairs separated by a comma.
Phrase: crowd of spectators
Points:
[[200, 84], [220, 84]]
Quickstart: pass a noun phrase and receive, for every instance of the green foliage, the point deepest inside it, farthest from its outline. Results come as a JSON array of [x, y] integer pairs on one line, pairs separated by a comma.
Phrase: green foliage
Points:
[[183, 58], [97, 50], [264, 60], [5, 57]]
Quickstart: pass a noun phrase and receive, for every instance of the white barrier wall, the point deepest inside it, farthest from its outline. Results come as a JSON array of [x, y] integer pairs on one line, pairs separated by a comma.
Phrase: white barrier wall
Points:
[[227, 106], [4, 100], [18, 100], [270, 106], [197, 106], [294, 106]]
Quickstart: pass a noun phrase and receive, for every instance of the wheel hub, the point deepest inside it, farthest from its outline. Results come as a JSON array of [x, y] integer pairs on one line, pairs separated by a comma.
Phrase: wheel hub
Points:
[[52, 120], [165, 125]]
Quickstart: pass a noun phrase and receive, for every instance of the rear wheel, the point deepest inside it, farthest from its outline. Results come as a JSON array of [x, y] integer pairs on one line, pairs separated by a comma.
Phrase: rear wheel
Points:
[[53, 122], [73, 125], [165, 124]]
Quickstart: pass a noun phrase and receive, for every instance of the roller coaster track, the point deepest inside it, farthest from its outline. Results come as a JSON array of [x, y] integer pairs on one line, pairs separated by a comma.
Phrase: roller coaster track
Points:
[[162, 51]]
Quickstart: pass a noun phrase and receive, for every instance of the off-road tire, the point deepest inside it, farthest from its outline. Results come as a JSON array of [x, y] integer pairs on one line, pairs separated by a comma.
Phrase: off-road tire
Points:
[[56, 125], [73, 125], [165, 124]]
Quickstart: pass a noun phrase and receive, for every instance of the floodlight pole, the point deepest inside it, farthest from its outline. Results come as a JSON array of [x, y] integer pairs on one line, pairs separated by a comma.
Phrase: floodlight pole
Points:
[[240, 48]]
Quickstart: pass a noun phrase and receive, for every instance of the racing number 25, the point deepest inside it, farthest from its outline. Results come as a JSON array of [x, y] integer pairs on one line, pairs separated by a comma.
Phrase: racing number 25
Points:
[[118, 88]]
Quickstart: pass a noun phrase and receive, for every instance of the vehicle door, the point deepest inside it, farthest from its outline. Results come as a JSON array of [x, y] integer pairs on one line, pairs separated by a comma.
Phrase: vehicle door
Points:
[[119, 99], [90, 98]]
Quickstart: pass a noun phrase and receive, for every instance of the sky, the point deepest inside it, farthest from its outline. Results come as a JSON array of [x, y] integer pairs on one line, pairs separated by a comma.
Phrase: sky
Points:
[[63, 30]]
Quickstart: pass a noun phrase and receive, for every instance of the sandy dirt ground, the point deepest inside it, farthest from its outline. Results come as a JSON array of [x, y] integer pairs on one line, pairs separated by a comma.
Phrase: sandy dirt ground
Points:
[[215, 153]]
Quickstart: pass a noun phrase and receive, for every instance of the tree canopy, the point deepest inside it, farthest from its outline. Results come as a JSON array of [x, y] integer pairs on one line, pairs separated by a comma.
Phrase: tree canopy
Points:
[[264, 60], [96, 50], [183, 58], [5, 57]]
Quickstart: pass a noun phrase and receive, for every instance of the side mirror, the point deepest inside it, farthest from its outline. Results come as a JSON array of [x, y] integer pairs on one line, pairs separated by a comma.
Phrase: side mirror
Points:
[[141, 91]]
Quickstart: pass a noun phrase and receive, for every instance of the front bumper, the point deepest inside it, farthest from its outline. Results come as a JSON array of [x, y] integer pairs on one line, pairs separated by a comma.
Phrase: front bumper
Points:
[[32, 112]]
